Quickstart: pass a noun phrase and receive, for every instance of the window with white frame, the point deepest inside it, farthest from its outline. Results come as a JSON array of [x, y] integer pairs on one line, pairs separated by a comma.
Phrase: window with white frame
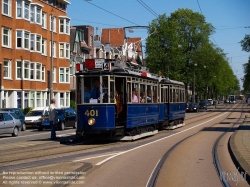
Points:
[[44, 46], [64, 50], [67, 74], [67, 99], [32, 13], [38, 71], [27, 11], [61, 99], [26, 70], [6, 37], [53, 21], [32, 71], [26, 99], [67, 26], [64, 25], [54, 49], [32, 42], [38, 99], [61, 46], [6, 7], [61, 25], [19, 39], [43, 73], [67, 51], [7, 68], [26, 40], [38, 15], [64, 75], [32, 97], [38, 43], [19, 9], [54, 74], [44, 16], [18, 69]]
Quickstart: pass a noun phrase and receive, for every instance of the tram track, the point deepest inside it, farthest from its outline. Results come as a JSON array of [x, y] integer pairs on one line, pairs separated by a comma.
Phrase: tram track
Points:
[[154, 176], [12, 156]]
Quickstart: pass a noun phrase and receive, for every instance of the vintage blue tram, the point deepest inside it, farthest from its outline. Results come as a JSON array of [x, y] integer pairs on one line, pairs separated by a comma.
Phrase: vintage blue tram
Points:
[[118, 100]]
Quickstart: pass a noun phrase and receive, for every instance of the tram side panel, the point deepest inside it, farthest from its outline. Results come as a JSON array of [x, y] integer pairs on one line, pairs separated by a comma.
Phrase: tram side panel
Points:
[[141, 115], [96, 119], [177, 111]]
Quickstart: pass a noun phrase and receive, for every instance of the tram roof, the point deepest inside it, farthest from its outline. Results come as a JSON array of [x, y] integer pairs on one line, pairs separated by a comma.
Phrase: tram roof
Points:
[[111, 67]]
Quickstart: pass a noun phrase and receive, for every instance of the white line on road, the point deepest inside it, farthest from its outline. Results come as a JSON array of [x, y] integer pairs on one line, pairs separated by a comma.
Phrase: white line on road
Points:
[[107, 159], [94, 157]]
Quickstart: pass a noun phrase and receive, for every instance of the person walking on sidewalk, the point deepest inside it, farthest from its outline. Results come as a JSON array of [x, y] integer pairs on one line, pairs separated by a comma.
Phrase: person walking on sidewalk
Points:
[[53, 118]]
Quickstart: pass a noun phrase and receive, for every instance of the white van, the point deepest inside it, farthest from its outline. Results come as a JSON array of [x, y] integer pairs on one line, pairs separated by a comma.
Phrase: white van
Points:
[[34, 117], [210, 101]]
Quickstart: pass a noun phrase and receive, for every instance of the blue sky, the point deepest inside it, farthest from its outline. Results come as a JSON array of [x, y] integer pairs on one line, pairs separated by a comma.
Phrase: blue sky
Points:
[[229, 17]]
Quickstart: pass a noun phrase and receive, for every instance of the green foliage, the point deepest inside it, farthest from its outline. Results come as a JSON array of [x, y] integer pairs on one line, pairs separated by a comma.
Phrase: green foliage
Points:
[[245, 43], [26, 110], [73, 104], [178, 46]]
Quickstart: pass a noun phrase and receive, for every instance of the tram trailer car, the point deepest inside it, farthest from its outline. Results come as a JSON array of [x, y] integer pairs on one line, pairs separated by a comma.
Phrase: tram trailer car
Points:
[[128, 102]]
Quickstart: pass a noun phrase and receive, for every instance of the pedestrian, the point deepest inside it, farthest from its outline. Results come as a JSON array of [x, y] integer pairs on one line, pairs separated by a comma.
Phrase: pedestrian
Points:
[[53, 118]]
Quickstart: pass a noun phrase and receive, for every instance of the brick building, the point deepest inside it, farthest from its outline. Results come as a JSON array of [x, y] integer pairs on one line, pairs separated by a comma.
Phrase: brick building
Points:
[[25, 52]]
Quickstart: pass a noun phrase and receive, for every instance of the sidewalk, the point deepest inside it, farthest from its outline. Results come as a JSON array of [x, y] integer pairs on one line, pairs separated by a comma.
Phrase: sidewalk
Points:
[[239, 147]]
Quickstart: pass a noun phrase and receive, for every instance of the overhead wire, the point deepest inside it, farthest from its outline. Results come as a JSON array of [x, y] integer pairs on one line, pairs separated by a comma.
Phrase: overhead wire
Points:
[[148, 8], [111, 12]]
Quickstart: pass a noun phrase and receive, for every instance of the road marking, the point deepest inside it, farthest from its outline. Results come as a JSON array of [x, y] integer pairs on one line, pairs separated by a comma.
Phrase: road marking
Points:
[[118, 154], [88, 158]]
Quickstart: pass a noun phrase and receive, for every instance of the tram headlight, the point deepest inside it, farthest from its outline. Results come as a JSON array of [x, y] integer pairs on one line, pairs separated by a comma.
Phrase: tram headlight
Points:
[[91, 121]]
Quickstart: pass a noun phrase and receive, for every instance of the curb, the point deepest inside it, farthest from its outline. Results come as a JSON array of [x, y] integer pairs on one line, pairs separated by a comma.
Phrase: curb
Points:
[[236, 157]]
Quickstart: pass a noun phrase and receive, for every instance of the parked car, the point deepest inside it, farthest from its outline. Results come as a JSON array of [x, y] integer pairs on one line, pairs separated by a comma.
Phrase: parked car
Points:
[[192, 107], [203, 105], [66, 118], [19, 113], [34, 117], [9, 123]]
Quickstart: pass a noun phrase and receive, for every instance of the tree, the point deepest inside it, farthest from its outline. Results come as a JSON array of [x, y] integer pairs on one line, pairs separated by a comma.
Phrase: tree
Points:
[[245, 43]]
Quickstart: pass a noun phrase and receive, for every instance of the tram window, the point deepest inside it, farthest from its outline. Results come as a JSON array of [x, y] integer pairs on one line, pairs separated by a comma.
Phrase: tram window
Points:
[[105, 88], [142, 94], [129, 92], [149, 95], [170, 95], [155, 96], [167, 95], [135, 91], [112, 92], [84, 94], [176, 95]]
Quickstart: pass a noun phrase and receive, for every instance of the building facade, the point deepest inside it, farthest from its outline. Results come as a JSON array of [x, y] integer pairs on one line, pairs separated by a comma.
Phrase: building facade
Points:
[[27, 42]]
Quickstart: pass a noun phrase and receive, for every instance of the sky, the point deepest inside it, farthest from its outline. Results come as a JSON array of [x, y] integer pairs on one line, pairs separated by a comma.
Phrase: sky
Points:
[[229, 17]]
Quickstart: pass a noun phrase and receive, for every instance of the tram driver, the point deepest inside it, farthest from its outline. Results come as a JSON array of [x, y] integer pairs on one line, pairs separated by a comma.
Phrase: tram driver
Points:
[[95, 93]]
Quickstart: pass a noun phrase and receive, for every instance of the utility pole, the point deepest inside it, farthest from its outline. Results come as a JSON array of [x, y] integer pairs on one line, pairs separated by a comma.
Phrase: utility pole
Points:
[[51, 58]]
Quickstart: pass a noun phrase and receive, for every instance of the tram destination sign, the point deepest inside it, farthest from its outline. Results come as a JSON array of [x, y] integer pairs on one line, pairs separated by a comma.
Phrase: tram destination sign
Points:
[[99, 63]]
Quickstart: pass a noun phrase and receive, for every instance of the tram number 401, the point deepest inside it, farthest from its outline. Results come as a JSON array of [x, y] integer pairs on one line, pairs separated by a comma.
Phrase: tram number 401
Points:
[[91, 113]]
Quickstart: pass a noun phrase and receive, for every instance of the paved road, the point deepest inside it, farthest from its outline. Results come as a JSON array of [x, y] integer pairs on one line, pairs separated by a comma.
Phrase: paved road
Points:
[[111, 163]]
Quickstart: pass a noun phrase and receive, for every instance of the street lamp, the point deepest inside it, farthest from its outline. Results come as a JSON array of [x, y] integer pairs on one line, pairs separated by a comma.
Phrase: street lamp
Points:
[[52, 56]]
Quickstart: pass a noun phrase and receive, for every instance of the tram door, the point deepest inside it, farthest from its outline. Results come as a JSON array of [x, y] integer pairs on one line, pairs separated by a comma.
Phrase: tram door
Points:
[[121, 100]]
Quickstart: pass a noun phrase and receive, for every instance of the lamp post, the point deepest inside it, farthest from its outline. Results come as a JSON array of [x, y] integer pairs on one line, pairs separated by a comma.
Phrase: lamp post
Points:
[[51, 58], [194, 85]]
